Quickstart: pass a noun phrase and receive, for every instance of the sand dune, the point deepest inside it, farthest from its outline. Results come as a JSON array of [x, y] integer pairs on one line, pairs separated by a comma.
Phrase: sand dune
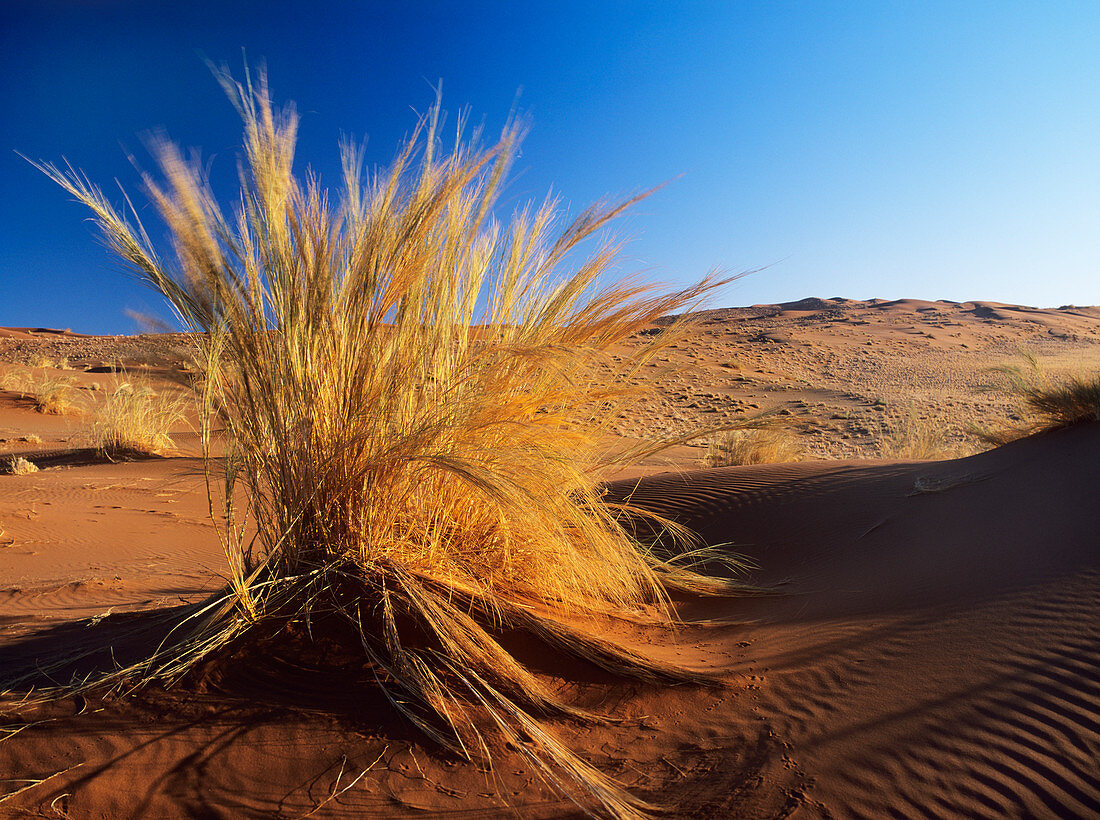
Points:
[[928, 643], [935, 648]]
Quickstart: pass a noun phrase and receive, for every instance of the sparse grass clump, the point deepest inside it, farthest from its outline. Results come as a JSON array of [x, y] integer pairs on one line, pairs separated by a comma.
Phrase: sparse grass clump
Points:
[[13, 380], [763, 445], [134, 419], [17, 465], [912, 438], [56, 396], [1047, 402], [411, 397]]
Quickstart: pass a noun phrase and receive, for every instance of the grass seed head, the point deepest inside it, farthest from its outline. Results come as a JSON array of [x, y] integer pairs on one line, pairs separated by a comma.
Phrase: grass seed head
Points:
[[409, 386]]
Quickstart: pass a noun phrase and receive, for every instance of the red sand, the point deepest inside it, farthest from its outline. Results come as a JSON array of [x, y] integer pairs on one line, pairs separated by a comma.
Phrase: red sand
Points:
[[932, 649]]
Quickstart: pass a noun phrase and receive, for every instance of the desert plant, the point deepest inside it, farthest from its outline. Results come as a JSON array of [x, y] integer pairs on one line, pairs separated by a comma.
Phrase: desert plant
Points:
[[410, 393], [760, 445], [1046, 402], [13, 380], [912, 438], [55, 396], [134, 419], [17, 465]]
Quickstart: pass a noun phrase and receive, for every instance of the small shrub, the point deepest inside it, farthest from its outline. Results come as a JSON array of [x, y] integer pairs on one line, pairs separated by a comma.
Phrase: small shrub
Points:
[[17, 465], [135, 420], [1047, 402], [912, 438], [55, 396], [763, 445]]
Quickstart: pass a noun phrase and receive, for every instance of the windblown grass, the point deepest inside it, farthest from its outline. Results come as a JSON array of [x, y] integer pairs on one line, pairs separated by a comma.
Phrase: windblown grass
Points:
[[762, 445], [1046, 402], [134, 419], [410, 395], [912, 438], [17, 465]]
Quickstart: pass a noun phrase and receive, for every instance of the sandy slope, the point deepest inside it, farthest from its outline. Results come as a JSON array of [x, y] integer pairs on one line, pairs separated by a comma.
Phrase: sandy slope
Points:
[[932, 646], [936, 647]]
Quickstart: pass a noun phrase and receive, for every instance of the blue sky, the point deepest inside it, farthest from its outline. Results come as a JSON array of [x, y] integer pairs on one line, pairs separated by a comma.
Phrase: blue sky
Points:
[[936, 150]]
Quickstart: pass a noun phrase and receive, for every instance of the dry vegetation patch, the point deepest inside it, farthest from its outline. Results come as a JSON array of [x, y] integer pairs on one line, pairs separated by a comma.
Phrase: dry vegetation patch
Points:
[[763, 445], [17, 465], [413, 395], [135, 419], [1046, 401]]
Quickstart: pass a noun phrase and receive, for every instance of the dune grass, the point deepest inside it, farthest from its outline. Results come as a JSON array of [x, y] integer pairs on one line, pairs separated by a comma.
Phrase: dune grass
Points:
[[13, 380], [411, 401], [54, 395], [762, 445], [1046, 402], [17, 465], [134, 419], [912, 438], [51, 394]]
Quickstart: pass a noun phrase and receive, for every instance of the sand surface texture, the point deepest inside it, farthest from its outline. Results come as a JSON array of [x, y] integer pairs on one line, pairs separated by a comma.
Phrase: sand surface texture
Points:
[[928, 645]]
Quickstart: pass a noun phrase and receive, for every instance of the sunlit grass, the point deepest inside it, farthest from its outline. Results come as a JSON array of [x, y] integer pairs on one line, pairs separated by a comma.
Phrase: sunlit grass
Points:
[[909, 437], [410, 395], [1047, 402], [134, 419], [17, 465], [762, 445], [54, 395]]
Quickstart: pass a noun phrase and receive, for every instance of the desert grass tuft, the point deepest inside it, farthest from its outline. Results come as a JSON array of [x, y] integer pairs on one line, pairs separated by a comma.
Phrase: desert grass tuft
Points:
[[17, 465], [13, 380], [55, 396], [134, 419], [409, 387], [51, 394], [912, 438], [1046, 402], [762, 445]]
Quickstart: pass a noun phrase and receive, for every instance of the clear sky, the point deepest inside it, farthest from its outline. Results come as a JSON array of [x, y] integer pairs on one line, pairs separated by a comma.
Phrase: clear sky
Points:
[[935, 150]]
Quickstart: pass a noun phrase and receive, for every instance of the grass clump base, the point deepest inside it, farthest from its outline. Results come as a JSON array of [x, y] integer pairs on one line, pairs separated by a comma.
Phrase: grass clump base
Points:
[[17, 465], [409, 394], [1047, 402], [768, 444], [134, 420]]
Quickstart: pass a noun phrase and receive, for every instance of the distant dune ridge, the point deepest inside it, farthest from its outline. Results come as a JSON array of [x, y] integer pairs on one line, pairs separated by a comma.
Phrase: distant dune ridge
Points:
[[927, 640]]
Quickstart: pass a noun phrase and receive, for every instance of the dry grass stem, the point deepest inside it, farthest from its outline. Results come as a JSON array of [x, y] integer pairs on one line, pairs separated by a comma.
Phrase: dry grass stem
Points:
[[134, 419], [17, 465], [409, 387], [761, 445]]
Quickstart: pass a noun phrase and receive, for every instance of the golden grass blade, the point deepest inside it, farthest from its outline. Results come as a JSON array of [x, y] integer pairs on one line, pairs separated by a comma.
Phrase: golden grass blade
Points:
[[409, 390]]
